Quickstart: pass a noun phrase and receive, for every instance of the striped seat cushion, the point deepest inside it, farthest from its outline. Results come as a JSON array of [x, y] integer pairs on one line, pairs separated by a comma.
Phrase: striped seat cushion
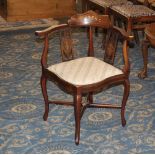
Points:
[[108, 3], [84, 71], [133, 10]]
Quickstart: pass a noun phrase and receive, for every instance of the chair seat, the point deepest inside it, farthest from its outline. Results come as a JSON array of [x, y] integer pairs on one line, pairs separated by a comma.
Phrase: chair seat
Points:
[[130, 10], [84, 71], [108, 3]]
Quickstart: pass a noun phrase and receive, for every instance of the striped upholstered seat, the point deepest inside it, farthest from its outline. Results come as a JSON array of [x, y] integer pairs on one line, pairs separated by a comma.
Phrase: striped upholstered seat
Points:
[[84, 71]]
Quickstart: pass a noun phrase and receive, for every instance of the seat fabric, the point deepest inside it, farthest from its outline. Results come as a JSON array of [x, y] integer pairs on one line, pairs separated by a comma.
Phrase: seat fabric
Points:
[[108, 3], [130, 10], [84, 71]]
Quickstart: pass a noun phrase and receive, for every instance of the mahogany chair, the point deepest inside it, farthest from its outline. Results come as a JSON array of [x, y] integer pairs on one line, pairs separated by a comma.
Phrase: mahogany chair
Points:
[[152, 4], [87, 75]]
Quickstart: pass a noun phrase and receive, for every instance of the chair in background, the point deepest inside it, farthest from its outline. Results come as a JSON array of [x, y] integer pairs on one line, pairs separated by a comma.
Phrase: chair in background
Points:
[[148, 42], [87, 75], [101, 7], [135, 16]]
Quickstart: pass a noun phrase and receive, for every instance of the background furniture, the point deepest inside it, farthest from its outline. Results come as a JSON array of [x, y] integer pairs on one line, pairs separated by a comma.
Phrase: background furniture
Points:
[[103, 5], [149, 41], [15, 10], [85, 76], [136, 17], [133, 15]]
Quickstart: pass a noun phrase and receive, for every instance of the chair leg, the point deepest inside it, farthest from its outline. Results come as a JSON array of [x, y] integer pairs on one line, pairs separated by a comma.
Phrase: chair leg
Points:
[[43, 82], [77, 113], [90, 98], [143, 73], [125, 97], [136, 36]]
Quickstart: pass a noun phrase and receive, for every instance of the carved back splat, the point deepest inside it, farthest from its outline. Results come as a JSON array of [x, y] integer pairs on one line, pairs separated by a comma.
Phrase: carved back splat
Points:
[[111, 45], [66, 44]]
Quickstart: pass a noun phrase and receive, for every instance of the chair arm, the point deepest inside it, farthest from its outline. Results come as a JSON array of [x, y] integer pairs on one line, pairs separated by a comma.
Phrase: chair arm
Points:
[[50, 29], [124, 34]]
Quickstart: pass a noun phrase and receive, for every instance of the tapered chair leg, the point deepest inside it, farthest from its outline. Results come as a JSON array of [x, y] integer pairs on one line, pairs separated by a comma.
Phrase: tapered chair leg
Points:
[[145, 45], [43, 82], [136, 36], [77, 113], [125, 97], [90, 98]]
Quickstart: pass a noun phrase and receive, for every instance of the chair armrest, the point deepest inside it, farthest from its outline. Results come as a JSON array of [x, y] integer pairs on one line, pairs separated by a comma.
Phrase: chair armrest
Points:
[[124, 34], [50, 29]]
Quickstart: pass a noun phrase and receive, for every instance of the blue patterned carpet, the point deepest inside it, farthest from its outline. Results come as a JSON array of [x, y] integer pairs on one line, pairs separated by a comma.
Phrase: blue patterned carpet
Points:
[[7, 26], [22, 129]]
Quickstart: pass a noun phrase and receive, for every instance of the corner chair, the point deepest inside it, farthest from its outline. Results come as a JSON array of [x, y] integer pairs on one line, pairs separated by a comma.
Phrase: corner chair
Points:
[[87, 75]]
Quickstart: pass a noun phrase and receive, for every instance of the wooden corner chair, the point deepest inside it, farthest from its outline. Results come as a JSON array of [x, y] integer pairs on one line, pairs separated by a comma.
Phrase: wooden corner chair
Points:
[[87, 75]]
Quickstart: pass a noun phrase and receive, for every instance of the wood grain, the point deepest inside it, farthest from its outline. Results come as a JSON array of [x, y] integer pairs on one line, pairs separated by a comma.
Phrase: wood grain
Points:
[[15, 10]]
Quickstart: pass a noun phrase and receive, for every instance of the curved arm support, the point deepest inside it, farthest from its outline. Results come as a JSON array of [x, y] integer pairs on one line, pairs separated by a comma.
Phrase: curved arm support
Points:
[[124, 34], [126, 68], [50, 29], [45, 33]]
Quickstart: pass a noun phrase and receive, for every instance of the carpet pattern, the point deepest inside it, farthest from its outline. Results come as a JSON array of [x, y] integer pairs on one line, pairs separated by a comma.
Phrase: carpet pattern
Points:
[[6, 26], [22, 129]]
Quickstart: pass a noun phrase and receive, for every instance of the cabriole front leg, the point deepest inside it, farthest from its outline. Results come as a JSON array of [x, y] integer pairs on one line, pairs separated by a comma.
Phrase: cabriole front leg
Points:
[[77, 114], [125, 97], [43, 82]]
